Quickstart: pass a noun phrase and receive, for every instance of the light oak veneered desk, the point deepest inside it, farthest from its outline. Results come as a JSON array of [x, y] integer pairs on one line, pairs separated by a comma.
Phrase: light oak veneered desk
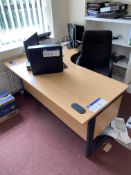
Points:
[[75, 84]]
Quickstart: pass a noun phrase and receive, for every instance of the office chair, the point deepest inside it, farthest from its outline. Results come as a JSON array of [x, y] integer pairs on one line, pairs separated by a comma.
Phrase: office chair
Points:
[[96, 51], [75, 34]]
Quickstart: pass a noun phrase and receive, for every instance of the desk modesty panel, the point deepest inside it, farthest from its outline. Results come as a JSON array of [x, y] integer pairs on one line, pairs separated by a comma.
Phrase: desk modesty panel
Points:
[[75, 84], [102, 120]]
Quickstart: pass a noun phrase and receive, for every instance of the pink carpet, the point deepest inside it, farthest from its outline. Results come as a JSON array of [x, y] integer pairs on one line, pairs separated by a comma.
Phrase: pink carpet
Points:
[[37, 143]]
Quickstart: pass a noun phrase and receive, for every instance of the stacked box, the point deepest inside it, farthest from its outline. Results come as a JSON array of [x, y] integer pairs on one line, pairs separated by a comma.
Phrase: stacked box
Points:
[[8, 106]]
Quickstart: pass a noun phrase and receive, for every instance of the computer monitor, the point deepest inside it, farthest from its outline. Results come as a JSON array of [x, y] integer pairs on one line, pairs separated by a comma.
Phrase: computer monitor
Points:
[[72, 34], [31, 41], [79, 32], [75, 34]]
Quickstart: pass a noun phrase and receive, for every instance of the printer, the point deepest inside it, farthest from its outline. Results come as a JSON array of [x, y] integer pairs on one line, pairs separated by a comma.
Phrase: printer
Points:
[[45, 58]]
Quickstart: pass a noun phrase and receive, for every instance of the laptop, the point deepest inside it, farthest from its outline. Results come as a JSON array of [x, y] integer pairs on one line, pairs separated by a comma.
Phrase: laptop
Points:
[[45, 58]]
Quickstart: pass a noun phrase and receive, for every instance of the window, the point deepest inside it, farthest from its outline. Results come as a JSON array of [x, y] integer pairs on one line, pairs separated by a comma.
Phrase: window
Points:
[[21, 18]]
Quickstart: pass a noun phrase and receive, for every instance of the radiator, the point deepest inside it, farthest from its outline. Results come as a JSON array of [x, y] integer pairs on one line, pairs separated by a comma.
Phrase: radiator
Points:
[[9, 81], [2, 67]]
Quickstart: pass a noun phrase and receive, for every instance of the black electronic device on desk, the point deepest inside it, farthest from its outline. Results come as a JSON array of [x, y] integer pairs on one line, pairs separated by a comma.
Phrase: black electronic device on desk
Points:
[[31, 41], [34, 40], [44, 36], [75, 35], [45, 58]]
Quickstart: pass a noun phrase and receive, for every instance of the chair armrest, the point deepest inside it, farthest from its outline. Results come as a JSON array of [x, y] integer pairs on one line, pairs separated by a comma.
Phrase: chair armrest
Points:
[[110, 67]]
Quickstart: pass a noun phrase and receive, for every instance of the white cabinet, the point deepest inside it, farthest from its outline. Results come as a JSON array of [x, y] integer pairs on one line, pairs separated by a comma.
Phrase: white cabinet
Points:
[[121, 27]]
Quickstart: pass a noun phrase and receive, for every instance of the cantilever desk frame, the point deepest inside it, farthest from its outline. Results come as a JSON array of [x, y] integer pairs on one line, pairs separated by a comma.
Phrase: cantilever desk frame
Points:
[[76, 84]]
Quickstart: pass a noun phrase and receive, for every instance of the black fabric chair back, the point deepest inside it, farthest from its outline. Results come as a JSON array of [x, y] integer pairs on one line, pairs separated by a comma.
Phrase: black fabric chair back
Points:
[[96, 48]]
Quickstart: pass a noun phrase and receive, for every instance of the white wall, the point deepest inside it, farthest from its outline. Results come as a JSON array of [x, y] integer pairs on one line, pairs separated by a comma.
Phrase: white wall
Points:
[[65, 11], [60, 17], [76, 11]]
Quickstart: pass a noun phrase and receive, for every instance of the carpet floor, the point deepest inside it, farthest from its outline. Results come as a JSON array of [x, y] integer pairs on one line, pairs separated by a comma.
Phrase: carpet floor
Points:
[[35, 142]]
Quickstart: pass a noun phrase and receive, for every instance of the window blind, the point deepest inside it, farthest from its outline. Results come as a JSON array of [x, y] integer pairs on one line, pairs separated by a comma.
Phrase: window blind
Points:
[[19, 18]]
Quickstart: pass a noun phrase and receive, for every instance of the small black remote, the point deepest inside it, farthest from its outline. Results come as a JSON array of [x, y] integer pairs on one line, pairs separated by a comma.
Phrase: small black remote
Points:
[[78, 108]]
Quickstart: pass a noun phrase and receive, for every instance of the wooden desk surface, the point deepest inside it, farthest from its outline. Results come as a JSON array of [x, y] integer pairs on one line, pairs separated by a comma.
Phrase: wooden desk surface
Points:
[[75, 84]]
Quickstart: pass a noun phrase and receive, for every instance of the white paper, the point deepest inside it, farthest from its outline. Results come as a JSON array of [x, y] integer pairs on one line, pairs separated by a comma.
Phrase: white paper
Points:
[[97, 104], [119, 132], [51, 53]]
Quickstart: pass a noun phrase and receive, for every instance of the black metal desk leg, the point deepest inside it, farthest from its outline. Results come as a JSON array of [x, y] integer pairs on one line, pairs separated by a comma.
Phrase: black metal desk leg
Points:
[[90, 136], [91, 143]]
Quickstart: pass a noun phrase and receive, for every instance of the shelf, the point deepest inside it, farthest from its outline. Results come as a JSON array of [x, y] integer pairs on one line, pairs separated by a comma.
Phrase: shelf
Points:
[[121, 42], [118, 77], [118, 21], [122, 63], [120, 27], [125, 1]]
